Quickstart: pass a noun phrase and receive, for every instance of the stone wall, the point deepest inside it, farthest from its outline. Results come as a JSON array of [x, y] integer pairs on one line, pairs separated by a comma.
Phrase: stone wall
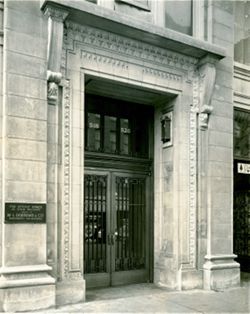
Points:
[[25, 118], [1, 116], [25, 155], [219, 161]]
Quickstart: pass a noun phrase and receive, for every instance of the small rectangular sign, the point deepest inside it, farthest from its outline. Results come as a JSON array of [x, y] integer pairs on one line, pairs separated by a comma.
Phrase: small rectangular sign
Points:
[[28, 213], [243, 168]]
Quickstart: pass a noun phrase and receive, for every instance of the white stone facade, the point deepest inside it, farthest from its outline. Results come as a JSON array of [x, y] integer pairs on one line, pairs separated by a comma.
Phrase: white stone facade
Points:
[[45, 64]]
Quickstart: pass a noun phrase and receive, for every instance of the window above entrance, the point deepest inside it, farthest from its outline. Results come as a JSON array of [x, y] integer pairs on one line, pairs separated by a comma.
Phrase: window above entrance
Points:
[[241, 134], [116, 127]]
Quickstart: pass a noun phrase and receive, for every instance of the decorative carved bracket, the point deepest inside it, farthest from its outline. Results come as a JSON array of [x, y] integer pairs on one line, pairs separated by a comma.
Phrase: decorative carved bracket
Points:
[[56, 18], [53, 78], [207, 72]]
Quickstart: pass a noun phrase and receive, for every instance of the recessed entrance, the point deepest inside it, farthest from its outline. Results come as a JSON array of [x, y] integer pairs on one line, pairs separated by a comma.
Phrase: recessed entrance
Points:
[[119, 181], [118, 185]]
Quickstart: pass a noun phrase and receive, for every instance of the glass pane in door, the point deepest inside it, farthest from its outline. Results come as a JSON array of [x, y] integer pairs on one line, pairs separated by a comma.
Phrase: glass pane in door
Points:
[[93, 132], [125, 137], [95, 209], [110, 134], [130, 223]]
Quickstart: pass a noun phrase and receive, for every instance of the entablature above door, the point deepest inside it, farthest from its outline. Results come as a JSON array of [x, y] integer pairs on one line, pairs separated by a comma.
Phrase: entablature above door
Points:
[[83, 12], [109, 43]]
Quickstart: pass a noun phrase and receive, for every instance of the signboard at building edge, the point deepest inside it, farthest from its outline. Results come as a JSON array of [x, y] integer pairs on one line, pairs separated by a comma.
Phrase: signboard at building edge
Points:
[[243, 168]]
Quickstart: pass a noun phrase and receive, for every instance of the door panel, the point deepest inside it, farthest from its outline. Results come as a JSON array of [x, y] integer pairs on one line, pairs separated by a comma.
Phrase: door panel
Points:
[[130, 229], [116, 217], [96, 216]]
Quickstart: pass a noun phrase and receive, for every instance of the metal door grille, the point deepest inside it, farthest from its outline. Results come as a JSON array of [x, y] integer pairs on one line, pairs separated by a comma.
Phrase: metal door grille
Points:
[[242, 223], [130, 223], [95, 208]]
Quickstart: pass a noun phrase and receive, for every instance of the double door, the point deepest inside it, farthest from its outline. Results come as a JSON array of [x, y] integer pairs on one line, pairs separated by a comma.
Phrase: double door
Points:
[[116, 228], [242, 213]]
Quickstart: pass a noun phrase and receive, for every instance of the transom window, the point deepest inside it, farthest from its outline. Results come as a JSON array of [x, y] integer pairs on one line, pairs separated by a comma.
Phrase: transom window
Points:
[[116, 127]]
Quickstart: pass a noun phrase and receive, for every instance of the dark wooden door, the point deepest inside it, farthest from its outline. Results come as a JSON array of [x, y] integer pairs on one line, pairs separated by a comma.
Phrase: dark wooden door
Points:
[[116, 218]]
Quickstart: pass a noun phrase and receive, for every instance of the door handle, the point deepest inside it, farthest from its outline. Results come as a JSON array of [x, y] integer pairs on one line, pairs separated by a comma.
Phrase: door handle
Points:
[[114, 235], [112, 238]]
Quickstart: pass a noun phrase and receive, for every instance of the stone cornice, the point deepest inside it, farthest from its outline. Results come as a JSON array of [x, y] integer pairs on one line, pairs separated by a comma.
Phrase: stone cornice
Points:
[[242, 71], [83, 12], [128, 47]]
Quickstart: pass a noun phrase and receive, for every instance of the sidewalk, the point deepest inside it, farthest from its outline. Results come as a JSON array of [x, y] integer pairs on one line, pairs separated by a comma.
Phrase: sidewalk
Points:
[[147, 298]]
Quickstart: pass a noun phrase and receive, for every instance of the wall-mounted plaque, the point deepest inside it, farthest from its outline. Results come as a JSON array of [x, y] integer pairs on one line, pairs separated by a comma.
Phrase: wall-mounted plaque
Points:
[[27, 213], [243, 168]]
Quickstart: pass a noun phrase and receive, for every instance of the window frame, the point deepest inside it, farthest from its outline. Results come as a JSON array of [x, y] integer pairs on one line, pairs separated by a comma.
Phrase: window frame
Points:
[[136, 3], [125, 110]]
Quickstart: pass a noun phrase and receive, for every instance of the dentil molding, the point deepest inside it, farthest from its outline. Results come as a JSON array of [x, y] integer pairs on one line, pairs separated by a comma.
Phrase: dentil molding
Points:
[[131, 48]]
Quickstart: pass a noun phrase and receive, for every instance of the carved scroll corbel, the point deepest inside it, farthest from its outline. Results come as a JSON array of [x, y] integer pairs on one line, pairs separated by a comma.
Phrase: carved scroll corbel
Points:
[[56, 18], [207, 73]]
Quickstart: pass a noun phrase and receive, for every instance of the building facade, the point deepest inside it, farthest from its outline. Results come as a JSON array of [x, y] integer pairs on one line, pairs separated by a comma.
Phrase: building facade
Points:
[[241, 135], [122, 156]]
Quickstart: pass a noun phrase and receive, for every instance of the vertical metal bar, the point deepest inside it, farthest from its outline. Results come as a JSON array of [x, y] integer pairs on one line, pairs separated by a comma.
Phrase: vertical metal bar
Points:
[[101, 222], [124, 218], [88, 184], [129, 231], [138, 204], [122, 237], [105, 222], [97, 220], [131, 223], [93, 224], [118, 219], [141, 217], [144, 220], [84, 217], [126, 221], [136, 201]]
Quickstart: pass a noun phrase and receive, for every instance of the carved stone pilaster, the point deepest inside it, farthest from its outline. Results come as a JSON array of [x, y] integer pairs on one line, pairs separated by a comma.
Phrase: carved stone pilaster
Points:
[[207, 73], [56, 18]]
